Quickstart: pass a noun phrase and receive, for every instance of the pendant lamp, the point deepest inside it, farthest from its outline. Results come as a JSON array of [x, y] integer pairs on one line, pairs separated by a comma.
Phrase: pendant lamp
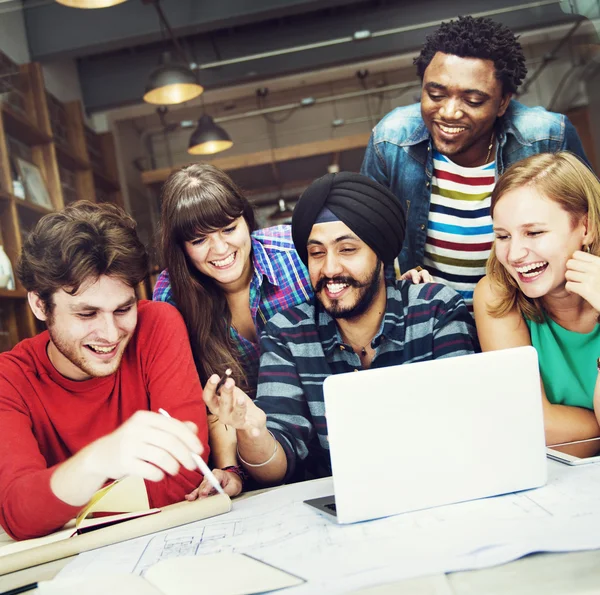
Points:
[[90, 3], [171, 83], [208, 138]]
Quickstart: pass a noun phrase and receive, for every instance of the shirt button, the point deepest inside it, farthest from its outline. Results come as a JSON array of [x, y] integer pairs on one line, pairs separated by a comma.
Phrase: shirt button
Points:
[[427, 184], [422, 226], [342, 348]]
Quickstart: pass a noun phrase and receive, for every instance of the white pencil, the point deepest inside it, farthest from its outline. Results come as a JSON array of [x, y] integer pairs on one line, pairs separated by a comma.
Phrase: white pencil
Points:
[[202, 465]]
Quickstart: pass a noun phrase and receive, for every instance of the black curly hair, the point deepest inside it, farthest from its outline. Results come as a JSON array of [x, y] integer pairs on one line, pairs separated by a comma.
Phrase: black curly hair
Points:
[[483, 38]]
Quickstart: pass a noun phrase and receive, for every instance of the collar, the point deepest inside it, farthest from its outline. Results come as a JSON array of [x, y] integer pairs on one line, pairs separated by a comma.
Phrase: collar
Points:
[[392, 325], [262, 263]]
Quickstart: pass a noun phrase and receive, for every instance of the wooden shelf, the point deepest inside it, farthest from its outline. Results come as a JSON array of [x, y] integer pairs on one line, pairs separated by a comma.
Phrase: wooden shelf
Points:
[[21, 128], [13, 294], [67, 158], [27, 205], [64, 163]]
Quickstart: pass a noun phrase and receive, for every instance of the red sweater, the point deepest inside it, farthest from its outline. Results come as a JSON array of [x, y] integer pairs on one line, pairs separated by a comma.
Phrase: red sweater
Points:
[[45, 418]]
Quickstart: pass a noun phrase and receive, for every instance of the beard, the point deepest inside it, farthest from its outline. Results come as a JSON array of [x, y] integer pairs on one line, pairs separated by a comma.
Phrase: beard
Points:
[[77, 357], [366, 291]]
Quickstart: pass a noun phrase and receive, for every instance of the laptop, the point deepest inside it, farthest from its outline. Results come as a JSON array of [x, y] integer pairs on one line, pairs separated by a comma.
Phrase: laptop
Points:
[[415, 436]]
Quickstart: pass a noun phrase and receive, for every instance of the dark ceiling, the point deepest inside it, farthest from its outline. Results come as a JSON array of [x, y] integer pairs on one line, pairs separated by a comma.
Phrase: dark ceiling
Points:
[[116, 48]]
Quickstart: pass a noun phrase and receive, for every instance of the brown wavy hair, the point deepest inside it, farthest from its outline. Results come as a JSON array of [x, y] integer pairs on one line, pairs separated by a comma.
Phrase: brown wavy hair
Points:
[[563, 178], [196, 200], [82, 242]]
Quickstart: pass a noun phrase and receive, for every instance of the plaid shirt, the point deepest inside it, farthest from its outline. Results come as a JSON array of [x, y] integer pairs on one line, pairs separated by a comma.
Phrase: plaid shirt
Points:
[[302, 346], [280, 281]]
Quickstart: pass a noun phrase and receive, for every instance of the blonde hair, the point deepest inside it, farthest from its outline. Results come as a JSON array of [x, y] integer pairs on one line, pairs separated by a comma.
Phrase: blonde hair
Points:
[[563, 178]]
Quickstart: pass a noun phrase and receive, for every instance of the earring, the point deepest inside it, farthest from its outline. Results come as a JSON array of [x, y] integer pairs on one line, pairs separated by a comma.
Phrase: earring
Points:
[[586, 248]]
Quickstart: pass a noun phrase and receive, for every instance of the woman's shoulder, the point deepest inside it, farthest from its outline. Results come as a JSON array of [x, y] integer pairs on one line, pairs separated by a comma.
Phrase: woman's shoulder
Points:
[[277, 236]]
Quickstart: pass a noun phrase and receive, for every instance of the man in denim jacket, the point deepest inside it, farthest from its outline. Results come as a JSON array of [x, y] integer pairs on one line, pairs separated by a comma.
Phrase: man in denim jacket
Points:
[[442, 156]]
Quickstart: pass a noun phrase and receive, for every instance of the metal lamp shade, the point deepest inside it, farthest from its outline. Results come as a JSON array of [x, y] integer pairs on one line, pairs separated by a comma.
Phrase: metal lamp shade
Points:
[[171, 84], [208, 138], [90, 3]]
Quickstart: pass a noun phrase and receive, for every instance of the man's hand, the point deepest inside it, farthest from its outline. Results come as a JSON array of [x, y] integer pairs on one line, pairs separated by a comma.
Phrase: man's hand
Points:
[[417, 276], [233, 406], [230, 482], [147, 445]]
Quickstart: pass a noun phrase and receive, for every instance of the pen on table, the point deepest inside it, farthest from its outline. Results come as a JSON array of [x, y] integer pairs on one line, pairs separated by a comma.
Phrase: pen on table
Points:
[[202, 465], [22, 589]]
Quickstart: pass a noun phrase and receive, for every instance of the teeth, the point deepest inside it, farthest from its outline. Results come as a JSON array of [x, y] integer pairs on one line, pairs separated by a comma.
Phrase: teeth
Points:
[[225, 262], [530, 267], [336, 287], [451, 129], [99, 349]]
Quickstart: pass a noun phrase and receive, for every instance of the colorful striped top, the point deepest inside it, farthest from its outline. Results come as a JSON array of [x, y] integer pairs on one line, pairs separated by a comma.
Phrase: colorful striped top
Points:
[[302, 346], [280, 280], [459, 234]]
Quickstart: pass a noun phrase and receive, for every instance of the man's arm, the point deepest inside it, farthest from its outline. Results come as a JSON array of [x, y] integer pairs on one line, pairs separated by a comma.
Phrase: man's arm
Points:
[[35, 499], [454, 332], [173, 385], [573, 143], [373, 164]]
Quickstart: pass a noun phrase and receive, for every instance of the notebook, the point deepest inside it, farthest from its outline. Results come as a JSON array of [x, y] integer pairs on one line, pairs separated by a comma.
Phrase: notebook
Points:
[[415, 436]]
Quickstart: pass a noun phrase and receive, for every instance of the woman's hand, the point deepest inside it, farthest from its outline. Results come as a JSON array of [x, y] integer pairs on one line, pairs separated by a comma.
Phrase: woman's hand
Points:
[[417, 276], [230, 482], [233, 406], [583, 277]]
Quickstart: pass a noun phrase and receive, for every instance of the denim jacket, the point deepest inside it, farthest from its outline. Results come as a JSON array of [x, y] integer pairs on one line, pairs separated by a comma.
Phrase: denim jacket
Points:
[[399, 156]]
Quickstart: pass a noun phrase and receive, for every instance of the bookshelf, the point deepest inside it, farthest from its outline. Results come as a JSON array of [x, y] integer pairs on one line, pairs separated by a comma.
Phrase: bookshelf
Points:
[[74, 161]]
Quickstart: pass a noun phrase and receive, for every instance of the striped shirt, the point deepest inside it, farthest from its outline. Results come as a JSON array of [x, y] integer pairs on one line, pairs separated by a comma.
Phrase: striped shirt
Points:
[[303, 346], [280, 280], [459, 231]]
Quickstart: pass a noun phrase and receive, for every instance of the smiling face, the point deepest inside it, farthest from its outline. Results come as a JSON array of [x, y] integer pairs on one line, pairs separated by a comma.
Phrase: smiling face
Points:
[[345, 273], [223, 255], [90, 330], [460, 101], [535, 237]]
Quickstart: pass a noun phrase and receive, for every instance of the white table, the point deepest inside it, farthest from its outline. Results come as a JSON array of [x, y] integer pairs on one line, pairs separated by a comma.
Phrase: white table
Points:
[[549, 574]]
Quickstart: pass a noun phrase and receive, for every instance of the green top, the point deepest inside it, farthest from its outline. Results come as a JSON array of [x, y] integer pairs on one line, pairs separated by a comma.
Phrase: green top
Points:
[[567, 362]]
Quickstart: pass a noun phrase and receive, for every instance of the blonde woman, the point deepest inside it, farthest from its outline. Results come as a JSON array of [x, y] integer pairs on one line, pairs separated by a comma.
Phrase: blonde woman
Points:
[[542, 286]]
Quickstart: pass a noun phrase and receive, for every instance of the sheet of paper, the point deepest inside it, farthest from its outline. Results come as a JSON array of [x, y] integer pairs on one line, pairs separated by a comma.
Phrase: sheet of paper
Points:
[[218, 574], [124, 584], [278, 528]]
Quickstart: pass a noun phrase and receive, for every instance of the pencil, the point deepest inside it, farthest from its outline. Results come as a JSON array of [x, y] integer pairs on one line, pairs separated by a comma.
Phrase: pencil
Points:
[[202, 465]]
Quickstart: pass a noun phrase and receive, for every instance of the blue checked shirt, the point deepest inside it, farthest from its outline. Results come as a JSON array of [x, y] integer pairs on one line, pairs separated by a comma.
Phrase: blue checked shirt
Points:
[[280, 281]]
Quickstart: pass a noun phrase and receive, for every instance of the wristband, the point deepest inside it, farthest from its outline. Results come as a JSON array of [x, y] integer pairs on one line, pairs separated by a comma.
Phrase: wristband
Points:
[[239, 472]]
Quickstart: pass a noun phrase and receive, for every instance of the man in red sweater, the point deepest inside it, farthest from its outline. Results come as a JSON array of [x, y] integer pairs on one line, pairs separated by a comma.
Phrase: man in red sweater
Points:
[[78, 402]]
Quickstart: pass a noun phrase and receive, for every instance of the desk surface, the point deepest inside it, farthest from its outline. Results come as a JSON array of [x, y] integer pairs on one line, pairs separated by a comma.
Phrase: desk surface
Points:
[[576, 573]]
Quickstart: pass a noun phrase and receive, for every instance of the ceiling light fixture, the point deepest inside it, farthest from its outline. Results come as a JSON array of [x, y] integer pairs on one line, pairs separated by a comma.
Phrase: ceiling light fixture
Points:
[[208, 138], [171, 83], [90, 3]]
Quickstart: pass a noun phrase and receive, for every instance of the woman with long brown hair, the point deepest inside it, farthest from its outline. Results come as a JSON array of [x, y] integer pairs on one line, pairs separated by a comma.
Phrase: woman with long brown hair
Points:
[[227, 280], [542, 286]]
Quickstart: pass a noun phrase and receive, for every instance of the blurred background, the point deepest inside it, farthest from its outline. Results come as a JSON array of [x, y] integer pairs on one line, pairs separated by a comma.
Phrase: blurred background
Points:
[[104, 103]]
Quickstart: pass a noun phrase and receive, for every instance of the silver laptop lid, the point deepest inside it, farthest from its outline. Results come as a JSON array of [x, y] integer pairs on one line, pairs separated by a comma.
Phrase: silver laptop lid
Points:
[[420, 435]]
